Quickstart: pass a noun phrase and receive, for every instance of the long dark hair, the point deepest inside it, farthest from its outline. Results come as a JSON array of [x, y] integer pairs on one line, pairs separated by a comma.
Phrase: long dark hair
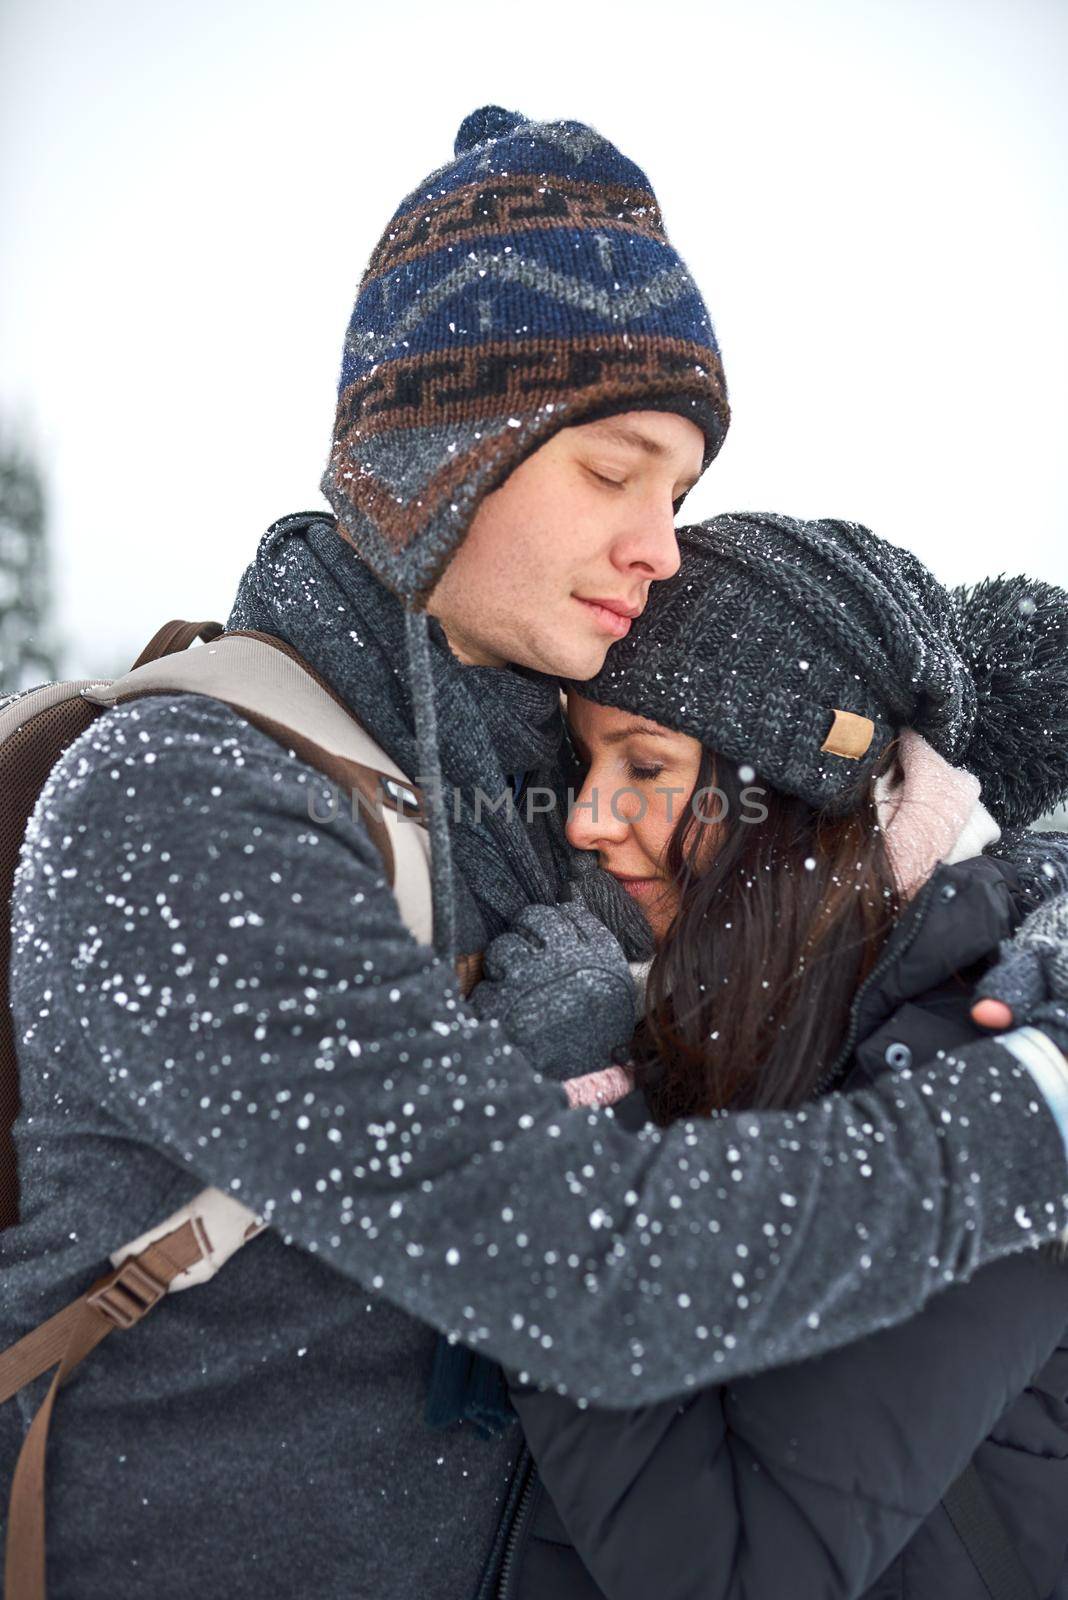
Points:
[[779, 921]]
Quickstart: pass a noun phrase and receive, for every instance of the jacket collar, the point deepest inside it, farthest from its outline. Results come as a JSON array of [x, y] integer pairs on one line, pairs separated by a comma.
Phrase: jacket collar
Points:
[[957, 918]]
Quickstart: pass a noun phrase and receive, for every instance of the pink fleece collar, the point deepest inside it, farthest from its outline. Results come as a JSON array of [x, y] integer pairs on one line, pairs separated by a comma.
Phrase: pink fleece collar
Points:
[[930, 812]]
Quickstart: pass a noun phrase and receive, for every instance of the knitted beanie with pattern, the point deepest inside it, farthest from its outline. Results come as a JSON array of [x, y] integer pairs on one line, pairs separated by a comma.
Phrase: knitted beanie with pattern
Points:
[[525, 287], [802, 649]]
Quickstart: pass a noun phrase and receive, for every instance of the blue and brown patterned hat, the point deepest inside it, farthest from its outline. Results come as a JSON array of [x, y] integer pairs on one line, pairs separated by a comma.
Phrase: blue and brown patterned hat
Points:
[[523, 288]]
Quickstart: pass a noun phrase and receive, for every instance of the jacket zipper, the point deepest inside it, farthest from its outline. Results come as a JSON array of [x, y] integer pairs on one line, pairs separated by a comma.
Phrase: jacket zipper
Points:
[[519, 1522], [894, 950]]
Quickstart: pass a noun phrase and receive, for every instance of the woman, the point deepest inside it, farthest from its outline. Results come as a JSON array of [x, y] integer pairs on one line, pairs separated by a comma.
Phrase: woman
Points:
[[777, 770]]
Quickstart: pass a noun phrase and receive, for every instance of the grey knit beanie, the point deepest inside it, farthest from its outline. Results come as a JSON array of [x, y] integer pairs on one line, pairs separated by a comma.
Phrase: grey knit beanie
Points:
[[803, 648]]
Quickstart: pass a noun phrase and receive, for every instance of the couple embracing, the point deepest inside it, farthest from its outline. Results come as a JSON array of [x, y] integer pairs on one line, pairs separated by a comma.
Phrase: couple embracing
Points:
[[704, 1240]]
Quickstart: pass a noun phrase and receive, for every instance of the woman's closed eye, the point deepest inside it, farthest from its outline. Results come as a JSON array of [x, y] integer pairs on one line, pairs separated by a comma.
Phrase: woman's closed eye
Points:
[[643, 774]]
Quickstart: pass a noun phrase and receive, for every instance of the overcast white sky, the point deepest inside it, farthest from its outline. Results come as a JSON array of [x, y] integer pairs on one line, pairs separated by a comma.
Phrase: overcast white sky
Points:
[[871, 195]]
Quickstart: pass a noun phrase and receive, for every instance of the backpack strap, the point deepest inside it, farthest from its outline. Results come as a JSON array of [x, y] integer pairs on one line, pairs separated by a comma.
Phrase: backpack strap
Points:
[[982, 1531], [269, 684], [118, 1300], [221, 1223]]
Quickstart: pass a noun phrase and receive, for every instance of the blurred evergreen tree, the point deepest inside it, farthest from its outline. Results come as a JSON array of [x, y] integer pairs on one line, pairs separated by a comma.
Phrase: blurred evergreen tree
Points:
[[28, 650]]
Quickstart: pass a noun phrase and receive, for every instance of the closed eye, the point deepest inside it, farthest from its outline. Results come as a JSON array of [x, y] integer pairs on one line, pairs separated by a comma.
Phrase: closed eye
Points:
[[643, 774], [613, 483]]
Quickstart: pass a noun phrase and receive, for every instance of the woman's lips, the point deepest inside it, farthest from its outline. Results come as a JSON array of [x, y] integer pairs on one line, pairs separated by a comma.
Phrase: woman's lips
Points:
[[610, 621], [640, 888]]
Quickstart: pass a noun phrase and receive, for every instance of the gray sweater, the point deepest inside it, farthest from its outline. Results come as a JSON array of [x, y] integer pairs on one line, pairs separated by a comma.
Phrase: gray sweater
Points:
[[210, 988]]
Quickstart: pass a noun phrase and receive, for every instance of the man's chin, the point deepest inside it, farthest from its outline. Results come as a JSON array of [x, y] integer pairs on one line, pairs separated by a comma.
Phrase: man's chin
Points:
[[580, 659], [563, 656]]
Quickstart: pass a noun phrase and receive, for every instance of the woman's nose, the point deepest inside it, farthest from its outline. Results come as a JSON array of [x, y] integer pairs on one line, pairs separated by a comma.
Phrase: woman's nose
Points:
[[594, 820]]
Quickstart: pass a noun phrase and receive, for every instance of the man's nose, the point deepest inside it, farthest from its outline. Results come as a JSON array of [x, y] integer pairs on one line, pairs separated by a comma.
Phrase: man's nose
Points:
[[649, 546], [593, 823]]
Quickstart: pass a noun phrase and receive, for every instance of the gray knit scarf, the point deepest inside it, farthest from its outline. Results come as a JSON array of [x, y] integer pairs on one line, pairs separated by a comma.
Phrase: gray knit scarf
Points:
[[307, 585]]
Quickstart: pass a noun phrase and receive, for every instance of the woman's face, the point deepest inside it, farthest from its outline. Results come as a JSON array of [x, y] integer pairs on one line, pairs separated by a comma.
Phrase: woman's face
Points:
[[639, 779]]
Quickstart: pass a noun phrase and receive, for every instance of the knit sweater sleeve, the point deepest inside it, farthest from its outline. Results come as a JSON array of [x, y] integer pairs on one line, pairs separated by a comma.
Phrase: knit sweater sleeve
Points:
[[236, 979]]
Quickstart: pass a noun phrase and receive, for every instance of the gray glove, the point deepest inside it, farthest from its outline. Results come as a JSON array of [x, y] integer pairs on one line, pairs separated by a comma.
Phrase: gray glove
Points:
[[1031, 976], [558, 983]]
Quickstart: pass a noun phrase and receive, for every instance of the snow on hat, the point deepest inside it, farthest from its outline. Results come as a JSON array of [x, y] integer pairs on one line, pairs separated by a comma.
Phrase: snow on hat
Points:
[[525, 287], [804, 648]]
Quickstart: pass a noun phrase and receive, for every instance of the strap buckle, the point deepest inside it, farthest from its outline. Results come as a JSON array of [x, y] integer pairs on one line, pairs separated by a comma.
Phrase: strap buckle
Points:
[[126, 1294]]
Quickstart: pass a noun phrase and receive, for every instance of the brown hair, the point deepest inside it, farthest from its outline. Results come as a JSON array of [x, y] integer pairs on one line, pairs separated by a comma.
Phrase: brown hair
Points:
[[749, 995]]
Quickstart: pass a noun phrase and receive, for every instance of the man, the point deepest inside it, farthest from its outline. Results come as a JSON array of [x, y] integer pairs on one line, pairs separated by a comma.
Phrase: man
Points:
[[209, 987]]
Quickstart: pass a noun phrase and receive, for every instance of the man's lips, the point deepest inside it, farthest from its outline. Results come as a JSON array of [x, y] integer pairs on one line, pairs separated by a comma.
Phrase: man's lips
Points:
[[613, 615]]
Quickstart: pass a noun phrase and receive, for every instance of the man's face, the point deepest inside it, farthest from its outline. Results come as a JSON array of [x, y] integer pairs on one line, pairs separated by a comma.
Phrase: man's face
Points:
[[561, 555]]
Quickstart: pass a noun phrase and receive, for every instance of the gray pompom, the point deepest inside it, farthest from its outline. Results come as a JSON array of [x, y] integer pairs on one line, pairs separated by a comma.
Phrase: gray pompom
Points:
[[1012, 633]]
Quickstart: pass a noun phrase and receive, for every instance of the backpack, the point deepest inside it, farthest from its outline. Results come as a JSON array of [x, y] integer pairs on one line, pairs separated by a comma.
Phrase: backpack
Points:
[[271, 686]]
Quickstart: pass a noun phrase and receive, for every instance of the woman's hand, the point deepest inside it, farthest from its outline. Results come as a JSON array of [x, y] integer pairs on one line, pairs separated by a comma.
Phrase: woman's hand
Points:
[[558, 983]]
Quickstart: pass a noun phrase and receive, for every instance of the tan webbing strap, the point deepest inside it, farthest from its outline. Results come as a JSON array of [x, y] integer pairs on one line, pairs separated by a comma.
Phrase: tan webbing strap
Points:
[[286, 709], [349, 776], [175, 636], [375, 787], [118, 1300]]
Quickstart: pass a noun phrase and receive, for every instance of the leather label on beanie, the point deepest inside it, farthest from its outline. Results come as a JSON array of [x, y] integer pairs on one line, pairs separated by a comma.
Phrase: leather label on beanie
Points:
[[850, 736]]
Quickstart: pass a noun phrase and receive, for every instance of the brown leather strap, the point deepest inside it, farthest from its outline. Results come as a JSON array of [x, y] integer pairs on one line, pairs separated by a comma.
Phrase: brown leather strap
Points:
[[175, 636], [118, 1300], [469, 970]]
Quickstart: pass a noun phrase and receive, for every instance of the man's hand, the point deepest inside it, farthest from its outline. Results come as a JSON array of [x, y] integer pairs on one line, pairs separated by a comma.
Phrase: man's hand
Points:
[[992, 1014], [559, 985], [1029, 985]]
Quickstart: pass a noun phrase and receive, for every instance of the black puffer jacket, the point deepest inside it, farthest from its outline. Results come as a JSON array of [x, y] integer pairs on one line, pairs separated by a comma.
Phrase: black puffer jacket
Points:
[[823, 1481]]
